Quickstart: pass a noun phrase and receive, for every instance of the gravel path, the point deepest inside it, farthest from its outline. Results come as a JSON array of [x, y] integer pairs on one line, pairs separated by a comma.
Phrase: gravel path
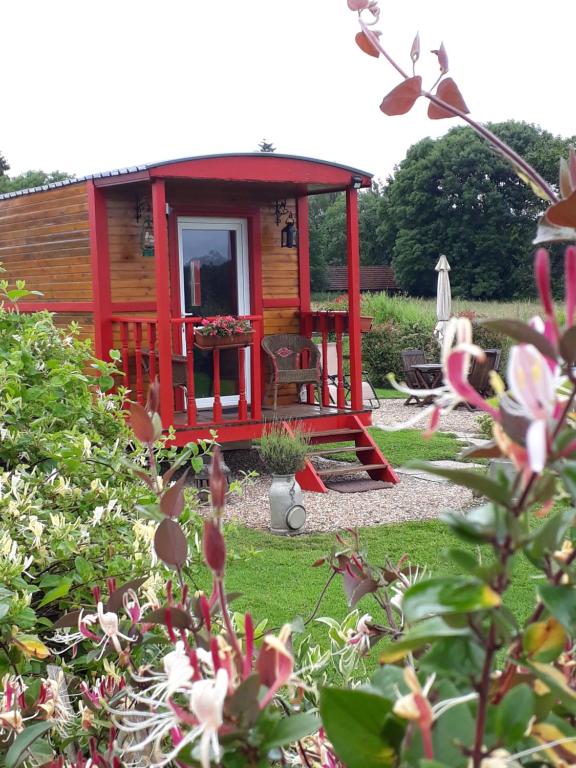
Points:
[[413, 498]]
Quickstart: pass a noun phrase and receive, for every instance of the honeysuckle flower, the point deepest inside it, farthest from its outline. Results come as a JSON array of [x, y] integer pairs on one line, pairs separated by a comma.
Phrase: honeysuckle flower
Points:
[[456, 357], [361, 636], [274, 663], [203, 720], [534, 388], [176, 676], [500, 758]]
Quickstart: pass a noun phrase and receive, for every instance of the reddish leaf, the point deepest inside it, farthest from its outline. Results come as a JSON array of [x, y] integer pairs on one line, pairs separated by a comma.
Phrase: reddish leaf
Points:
[[141, 423], [214, 546], [358, 5], [563, 214], [217, 480], [115, 600], [153, 401], [365, 45], [170, 543], [172, 501], [447, 91], [68, 620], [442, 58], [178, 619], [402, 98], [415, 50]]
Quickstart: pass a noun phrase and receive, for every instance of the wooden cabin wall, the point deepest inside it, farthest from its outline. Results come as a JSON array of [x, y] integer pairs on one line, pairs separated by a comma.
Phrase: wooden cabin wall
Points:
[[44, 240], [132, 275]]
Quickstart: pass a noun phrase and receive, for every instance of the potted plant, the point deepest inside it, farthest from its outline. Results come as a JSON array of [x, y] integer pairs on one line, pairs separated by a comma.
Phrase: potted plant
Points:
[[223, 331], [283, 453]]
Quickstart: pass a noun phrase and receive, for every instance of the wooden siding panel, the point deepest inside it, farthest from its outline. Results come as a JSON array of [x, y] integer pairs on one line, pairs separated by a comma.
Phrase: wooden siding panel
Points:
[[132, 274], [44, 240], [280, 276]]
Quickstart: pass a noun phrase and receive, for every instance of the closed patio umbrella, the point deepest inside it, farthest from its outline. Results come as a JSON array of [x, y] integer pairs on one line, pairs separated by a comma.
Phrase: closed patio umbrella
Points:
[[443, 298]]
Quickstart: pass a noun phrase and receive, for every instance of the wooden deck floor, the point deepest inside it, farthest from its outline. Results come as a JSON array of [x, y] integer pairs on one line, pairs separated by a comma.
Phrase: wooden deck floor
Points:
[[293, 411]]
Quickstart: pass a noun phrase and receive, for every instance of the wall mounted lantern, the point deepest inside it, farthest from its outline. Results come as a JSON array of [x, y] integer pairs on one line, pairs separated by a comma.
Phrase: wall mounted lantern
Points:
[[289, 237], [356, 182], [144, 218], [289, 234]]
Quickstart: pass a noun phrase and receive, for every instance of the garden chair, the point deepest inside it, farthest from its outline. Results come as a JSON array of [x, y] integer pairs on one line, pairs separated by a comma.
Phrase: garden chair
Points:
[[293, 359], [412, 357], [479, 376]]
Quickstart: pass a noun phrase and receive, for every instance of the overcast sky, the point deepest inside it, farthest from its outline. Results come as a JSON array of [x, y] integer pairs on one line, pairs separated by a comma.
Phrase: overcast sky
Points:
[[90, 86]]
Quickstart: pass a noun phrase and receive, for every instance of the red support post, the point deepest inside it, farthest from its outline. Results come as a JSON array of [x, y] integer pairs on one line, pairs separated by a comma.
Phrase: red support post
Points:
[[242, 404], [191, 404], [303, 253], [100, 263], [324, 331], [340, 390], [256, 378], [164, 325], [138, 356], [152, 352], [353, 257], [125, 342], [217, 406]]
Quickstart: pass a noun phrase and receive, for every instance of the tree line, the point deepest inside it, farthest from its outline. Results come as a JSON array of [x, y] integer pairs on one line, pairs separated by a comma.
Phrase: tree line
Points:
[[454, 196], [28, 179]]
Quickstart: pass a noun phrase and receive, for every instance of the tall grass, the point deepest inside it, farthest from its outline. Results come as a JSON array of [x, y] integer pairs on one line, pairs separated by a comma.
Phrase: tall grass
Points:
[[409, 310]]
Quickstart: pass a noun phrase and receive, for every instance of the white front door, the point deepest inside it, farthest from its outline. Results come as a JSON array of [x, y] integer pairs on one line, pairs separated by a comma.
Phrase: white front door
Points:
[[214, 280]]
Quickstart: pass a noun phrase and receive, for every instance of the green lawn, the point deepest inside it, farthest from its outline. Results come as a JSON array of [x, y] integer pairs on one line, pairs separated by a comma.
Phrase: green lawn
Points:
[[279, 582], [389, 394], [407, 445]]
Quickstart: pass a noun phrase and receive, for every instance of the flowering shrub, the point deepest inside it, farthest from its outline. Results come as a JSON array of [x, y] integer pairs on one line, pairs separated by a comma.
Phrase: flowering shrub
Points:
[[223, 325]]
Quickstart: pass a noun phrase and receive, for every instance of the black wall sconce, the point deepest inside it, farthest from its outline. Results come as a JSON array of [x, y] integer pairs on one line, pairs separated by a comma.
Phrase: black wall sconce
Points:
[[289, 234], [356, 182], [143, 216]]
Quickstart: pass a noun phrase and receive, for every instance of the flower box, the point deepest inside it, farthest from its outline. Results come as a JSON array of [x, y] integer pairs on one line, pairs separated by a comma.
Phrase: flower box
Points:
[[204, 341]]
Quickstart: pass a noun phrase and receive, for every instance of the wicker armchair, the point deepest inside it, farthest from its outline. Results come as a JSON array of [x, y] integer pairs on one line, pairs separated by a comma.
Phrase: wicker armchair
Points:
[[412, 357], [294, 360]]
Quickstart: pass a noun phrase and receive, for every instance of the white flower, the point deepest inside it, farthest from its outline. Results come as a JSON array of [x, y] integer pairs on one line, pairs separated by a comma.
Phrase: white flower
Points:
[[175, 678], [361, 636], [207, 703], [97, 515]]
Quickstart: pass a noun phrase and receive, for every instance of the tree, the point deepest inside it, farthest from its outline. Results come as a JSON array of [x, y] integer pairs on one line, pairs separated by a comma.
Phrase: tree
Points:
[[30, 179], [454, 195], [328, 232], [266, 146]]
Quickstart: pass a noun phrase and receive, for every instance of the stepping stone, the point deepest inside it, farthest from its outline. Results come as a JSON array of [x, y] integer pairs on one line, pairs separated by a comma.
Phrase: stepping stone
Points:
[[447, 464]]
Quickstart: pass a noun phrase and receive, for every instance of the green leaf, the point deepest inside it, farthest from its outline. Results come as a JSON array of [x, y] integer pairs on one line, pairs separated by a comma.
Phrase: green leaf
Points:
[[524, 334], [18, 752], [548, 537], [476, 481], [556, 681], [355, 722], [561, 602], [423, 633], [567, 472], [54, 594], [456, 726], [84, 568], [480, 524], [291, 729], [105, 382], [448, 595], [455, 657], [514, 713]]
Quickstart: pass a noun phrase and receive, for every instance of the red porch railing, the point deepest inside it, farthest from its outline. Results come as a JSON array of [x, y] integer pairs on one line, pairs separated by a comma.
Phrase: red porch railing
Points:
[[327, 325], [137, 338]]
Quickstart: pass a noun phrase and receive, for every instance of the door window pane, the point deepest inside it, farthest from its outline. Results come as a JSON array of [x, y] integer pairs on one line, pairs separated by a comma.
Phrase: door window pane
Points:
[[209, 272]]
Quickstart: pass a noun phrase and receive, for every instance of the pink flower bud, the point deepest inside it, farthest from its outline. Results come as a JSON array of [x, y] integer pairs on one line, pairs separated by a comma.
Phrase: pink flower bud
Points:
[[214, 547], [217, 481]]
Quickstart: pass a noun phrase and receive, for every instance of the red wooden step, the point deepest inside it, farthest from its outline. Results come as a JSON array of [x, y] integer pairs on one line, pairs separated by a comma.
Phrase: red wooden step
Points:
[[352, 469], [345, 449]]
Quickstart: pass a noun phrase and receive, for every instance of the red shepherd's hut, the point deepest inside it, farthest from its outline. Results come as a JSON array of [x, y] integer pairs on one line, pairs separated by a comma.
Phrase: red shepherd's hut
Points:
[[139, 256]]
